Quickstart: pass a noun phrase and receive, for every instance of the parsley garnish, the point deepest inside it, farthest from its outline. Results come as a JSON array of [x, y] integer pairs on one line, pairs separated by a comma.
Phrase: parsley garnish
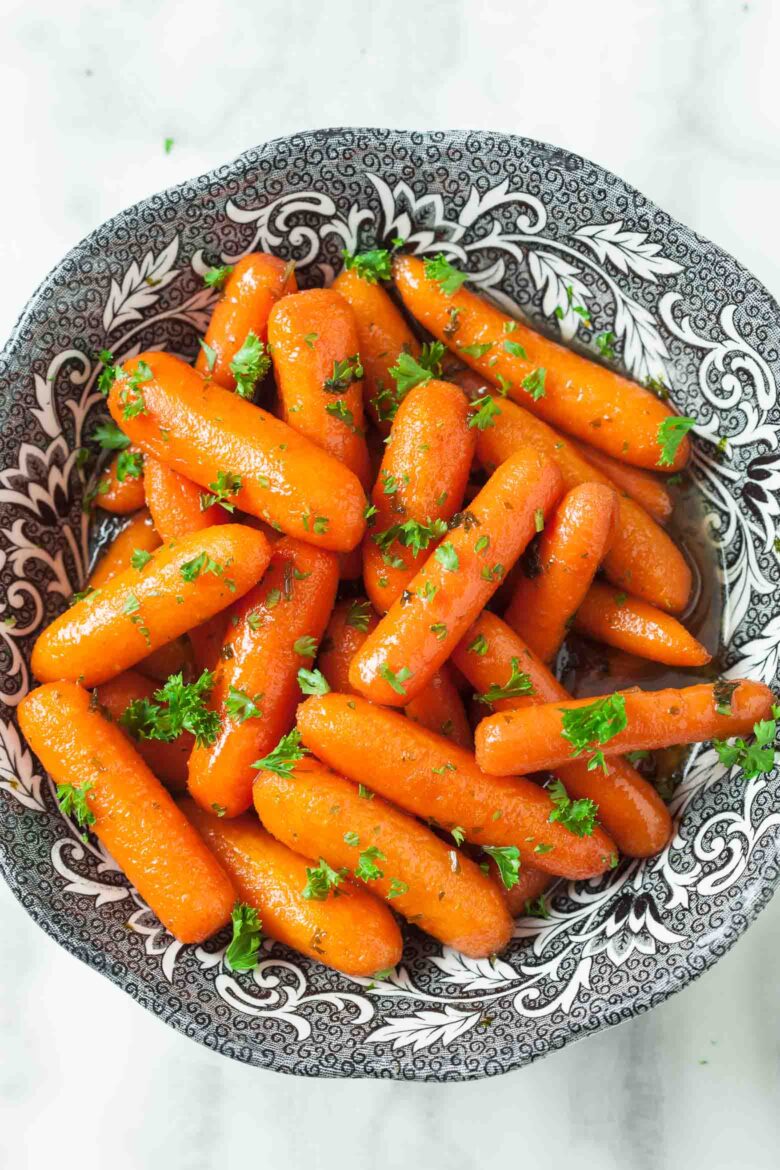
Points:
[[312, 682], [412, 534], [139, 558], [211, 354], [515, 349], [73, 802], [447, 556], [604, 342], [216, 277], [448, 278], [671, 433], [365, 793], [578, 816], [305, 646], [371, 266], [179, 707], [534, 383], [757, 758], [458, 834], [396, 679], [225, 485], [366, 868], [240, 706], [110, 372], [130, 396], [250, 364], [408, 373], [288, 751], [517, 684], [485, 413], [321, 880], [129, 465], [538, 908], [341, 411], [476, 351], [593, 724], [507, 858], [439, 630], [539, 520], [202, 563], [479, 645], [242, 952], [109, 436], [344, 374], [722, 693], [359, 615], [397, 889]]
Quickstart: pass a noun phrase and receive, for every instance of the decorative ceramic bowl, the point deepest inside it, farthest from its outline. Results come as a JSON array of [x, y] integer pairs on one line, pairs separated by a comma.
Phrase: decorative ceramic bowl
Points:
[[527, 220]]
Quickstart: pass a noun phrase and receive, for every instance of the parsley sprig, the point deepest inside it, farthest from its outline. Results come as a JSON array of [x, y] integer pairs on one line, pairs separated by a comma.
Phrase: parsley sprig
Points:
[[344, 374], [109, 436], [507, 859], [249, 365], [244, 947], [312, 682], [73, 802], [412, 534], [671, 433], [578, 816], [516, 685], [756, 758], [593, 724], [225, 485], [241, 706], [321, 880], [371, 266], [178, 707], [288, 752], [216, 276], [448, 278]]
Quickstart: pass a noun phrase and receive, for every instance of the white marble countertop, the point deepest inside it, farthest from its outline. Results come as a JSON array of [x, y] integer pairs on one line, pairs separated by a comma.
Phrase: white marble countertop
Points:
[[682, 100]]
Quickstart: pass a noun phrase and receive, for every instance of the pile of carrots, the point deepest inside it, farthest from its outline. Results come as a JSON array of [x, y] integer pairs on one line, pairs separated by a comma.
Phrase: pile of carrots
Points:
[[287, 697]]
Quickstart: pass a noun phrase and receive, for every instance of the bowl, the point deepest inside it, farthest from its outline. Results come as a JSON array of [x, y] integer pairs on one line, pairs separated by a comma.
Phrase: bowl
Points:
[[527, 220]]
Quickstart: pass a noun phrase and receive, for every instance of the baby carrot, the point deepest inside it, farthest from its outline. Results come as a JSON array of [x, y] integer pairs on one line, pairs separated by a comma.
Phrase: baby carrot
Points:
[[168, 761], [354, 932], [644, 487], [421, 629], [252, 288], [238, 453], [643, 558], [596, 404], [631, 624], [273, 633], [172, 657], [570, 551], [440, 708], [630, 809], [138, 535], [175, 502], [314, 341], [207, 640], [419, 487], [129, 810], [532, 739], [143, 608], [434, 778], [531, 884], [383, 335], [314, 810], [121, 490]]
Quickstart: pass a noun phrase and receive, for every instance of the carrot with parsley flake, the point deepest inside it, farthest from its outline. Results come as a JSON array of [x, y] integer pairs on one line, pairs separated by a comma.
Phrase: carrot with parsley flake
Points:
[[272, 634], [642, 559], [252, 287], [440, 708], [383, 335], [531, 885], [317, 363], [311, 809], [168, 761], [239, 455], [176, 503], [506, 674], [419, 487], [572, 546], [180, 586], [630, 624], [113, 793], [583, 398], [433, 778], [644, 487], [347, 929], [139, 537], [424, 625], [120, 489], [546, 736]]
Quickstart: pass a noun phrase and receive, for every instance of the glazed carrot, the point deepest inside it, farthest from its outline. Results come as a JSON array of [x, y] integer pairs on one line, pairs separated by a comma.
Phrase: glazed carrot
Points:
[[140, 534], [168, 761], [135, 818], [644, 487], [419, 632], [631, 624], [530, 740], [141, 609], [531, 884], [314, 341], [383, 335], [353, 932], [251, 290], [440, 708], [421, 479], [570, 551], [323, 815], [433, 778], [629, 807], [596, 404], [120, 495], [273, 632], [207, 640], [170, 658], [175, 502], [643, 558], [216, 438]]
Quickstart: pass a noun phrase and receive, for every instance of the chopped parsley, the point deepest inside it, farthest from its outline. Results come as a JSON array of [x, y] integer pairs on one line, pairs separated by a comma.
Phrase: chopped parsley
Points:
[[539, 520], [179, 707], [517, 684], [371, 266], [594, 723], [312, 682], [412, 534], [244, 947], [241, 706], [344, 374], [515, 349], [671, 433], [537, 908], [109, 436], [578, 816], [130, 396], [395, 679], [476, 351], [73, 802], [605, 344], [110, 372], [479, 645], [341, 411], [140, 558], [367, 869], [129, 465], [250, 364], [305, 646], [322, 880], [485, 413], [534, 383], [202, 563], [288, 751], [439, 630], [397, 889], [448, 278], [507, 859], [756, 758], [447, 556], [722, 692], [458, 834], [359, 615], [225, 485], [216, 277]]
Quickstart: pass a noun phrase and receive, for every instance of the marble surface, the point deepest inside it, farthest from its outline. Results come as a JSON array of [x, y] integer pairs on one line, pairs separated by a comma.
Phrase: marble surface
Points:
[[681, 99]]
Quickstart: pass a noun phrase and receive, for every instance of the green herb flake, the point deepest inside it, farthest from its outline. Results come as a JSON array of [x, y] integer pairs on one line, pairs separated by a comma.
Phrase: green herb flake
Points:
[[371, 266], [215, 277], [395, 679], [448, 278], [671, 433], [517, 685], [578, 816], [323, 880], [288, 752], [507, 859], [312, 682], [244, 947], [250, 364]]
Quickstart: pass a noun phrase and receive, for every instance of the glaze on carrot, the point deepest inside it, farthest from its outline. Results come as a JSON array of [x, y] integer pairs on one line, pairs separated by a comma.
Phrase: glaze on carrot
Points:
[[630, 624], [323, 815], [176, 503], [383, 335], [643, 559], [142, 609], [354, 932], [251, 290], [420, 485], [440, 708], [314, 342], [572, 547], [530, 740], [139, 534], [208, 434], [629, 807], [644, 487], [172, 657], [583, 398], [120, 496], [207, 639], [434, 778], [421, 629], [168, 761], [273, 632], [135, 818]]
